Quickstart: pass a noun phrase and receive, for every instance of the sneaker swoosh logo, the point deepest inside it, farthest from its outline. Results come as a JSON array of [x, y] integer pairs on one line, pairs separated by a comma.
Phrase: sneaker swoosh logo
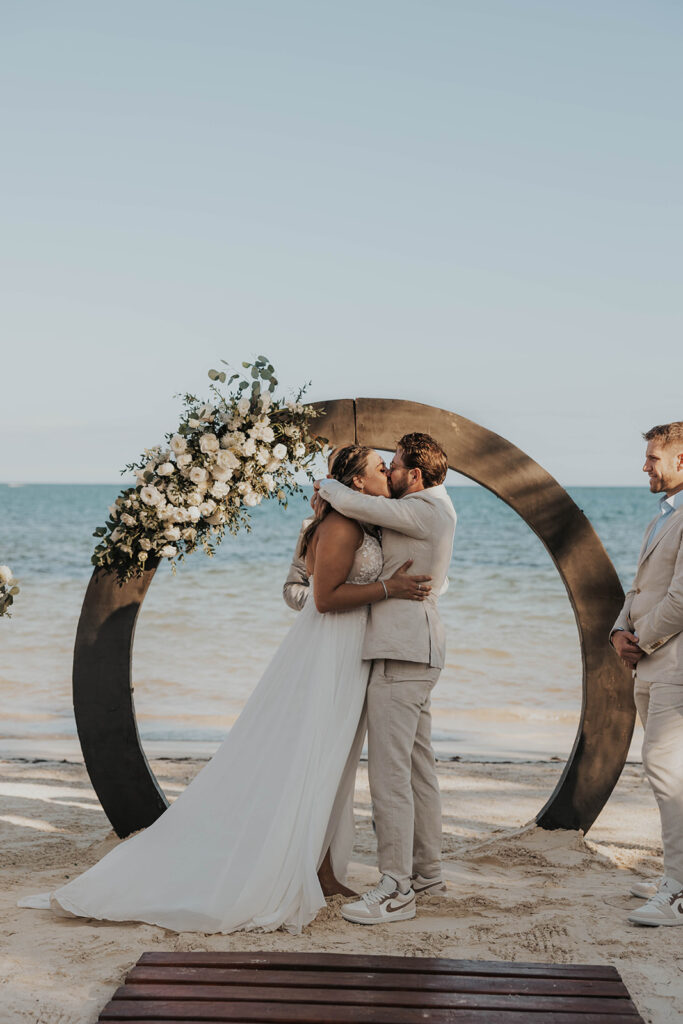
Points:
[[399, 906]]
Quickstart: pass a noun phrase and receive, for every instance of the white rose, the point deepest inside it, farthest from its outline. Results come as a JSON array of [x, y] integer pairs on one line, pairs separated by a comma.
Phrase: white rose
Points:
[[128, 519], [268, 481], [219, 489], [113, 511], [266, 401], [189, 533], [178, 444], [116, 534], [233, 439], [166, 469], [194, 497], [145, 544], [268, 435], [227, 460], [243, 406], [222, 475], [279, 452], [194, 513], [206, 413], [150, 495], [194, 423], [249, 446], [291, 430], [207, 508], [263, 456], [171, 513], [184, 460], [172, 533], [198, 475], [169, 551], [300, 450], [273, 465], [252, 499], [5, 574], [209, 443]]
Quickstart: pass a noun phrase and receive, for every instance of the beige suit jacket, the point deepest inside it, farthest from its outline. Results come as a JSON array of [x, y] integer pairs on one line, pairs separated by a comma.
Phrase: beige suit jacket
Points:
[[418, 526], [296, 588], [653, 608]]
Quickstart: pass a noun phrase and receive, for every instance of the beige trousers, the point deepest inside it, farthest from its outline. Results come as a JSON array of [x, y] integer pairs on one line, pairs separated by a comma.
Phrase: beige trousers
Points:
[[660, 706], [403, 785]]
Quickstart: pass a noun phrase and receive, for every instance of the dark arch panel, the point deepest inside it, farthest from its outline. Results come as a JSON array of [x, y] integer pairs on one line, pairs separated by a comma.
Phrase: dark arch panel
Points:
[[103, 692]]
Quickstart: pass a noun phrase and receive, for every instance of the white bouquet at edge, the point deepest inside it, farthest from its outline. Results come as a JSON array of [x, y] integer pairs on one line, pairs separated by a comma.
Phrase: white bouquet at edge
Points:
[[8, 590], [227, 455]]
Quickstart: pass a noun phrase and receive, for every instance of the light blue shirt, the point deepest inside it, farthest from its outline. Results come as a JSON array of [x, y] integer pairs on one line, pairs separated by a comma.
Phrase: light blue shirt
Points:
[[666, 507]]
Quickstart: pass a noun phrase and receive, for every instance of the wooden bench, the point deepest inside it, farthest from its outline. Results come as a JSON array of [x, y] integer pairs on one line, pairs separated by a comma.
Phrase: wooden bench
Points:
[[332, 988]]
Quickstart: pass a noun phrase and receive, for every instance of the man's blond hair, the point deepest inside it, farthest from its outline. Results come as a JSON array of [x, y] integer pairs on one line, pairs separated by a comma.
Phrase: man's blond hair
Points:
[[666, 433]]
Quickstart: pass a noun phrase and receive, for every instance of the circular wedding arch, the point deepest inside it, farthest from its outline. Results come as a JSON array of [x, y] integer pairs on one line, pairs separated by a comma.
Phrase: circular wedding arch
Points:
[[102, 682]]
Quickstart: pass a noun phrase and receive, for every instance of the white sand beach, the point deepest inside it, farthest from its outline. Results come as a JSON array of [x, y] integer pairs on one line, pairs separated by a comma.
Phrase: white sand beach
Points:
[[514, 892]]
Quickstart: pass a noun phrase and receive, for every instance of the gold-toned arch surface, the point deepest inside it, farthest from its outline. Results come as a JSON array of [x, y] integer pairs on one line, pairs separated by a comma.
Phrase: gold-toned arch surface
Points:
[[102, 683]]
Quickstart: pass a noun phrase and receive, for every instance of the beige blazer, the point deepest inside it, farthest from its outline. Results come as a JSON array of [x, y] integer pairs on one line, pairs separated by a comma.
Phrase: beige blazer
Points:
[[653, 608], [296, 587], [418, 526]]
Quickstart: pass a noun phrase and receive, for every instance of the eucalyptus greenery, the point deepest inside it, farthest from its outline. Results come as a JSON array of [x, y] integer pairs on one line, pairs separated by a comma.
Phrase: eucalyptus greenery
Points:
[[227, 455]]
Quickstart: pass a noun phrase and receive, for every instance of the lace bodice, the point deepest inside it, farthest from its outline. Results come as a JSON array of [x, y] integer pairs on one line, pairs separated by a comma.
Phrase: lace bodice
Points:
[[368, 561]]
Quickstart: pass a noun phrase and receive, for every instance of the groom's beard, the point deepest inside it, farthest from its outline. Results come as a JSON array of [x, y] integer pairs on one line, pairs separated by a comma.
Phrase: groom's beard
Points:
[[396, 491]]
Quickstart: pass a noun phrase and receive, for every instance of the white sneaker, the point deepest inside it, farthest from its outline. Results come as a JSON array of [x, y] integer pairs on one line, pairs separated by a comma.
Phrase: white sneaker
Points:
[[381, 905], [422, 884], [646, 890], [665, 907]]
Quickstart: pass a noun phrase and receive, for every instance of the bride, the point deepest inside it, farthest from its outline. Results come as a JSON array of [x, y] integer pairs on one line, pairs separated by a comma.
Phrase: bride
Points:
[[240, 848]]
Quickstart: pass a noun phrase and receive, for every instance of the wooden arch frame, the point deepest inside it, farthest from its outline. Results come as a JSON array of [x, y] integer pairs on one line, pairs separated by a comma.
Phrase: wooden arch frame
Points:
[[102, 683]]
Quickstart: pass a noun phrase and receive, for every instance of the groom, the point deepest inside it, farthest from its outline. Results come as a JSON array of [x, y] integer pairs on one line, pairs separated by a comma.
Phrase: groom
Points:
[[406, 643]]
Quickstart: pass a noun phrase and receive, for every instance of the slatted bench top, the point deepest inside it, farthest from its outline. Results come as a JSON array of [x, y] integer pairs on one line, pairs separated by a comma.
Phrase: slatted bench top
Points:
[[336, 988]]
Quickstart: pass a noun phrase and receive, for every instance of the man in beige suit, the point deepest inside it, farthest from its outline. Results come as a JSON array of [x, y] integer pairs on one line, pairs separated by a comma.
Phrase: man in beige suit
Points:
[[648, 636], [406, 643]]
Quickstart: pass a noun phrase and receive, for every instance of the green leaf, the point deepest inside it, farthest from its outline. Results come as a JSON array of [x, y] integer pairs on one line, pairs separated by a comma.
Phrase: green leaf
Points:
[[243, 385], [263, 359], [221, 377], [14, 590], [213, 374], [246, 365], [254, 371]]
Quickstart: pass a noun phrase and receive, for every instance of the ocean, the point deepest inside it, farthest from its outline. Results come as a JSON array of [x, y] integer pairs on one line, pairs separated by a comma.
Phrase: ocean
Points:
[[511, 687]]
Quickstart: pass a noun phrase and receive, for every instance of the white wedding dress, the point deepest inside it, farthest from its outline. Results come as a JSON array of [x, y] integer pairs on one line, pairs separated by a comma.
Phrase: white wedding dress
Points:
[[240, 847]]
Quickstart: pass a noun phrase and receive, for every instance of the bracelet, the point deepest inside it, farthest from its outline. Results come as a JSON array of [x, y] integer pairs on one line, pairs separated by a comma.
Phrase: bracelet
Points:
[[386, 592]]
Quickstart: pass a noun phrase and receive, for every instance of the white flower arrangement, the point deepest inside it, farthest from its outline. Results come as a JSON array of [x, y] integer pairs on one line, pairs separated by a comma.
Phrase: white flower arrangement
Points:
[[8, 590], [226, 456]]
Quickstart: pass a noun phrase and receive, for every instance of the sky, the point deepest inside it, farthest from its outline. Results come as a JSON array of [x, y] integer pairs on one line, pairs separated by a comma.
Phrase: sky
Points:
[[474, 204]]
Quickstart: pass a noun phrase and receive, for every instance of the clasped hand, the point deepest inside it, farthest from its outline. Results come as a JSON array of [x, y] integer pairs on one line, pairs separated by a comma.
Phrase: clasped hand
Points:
[[626, 646]]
